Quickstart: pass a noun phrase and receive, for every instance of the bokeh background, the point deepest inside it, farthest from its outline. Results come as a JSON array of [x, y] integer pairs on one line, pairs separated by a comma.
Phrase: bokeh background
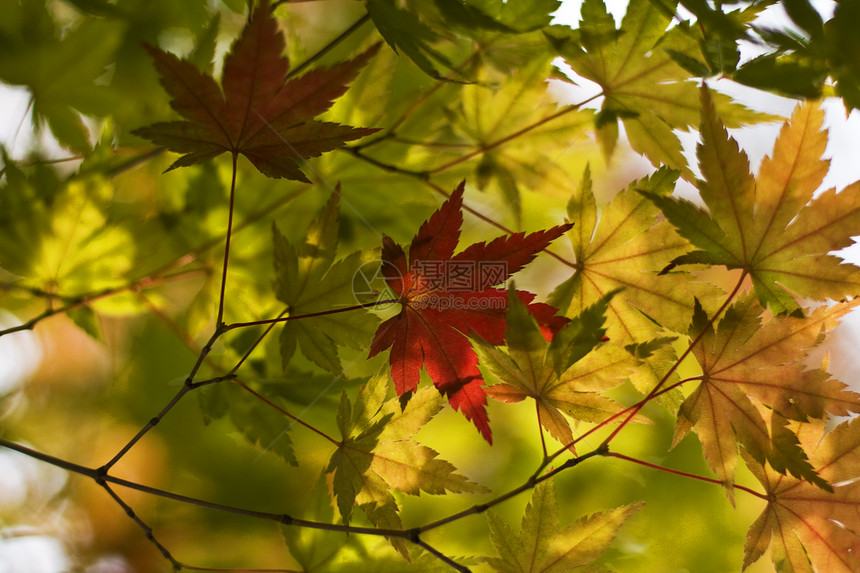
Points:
[[79, 397]]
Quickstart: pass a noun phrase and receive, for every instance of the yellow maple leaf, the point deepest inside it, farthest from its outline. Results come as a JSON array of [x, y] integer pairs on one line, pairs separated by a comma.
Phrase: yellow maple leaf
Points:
[[807, 528]]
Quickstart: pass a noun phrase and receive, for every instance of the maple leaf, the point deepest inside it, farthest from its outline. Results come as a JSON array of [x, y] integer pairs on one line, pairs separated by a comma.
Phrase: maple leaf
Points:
[[439, 310], [542, 545], [557, 374], [626, 247], [309, 280], [805, 526], [641, 83], [56, 237], [377, 454], [536, 133], [770, 226], [744, 364], [416, 30], [315, 549], [63, 66], [258, 115]]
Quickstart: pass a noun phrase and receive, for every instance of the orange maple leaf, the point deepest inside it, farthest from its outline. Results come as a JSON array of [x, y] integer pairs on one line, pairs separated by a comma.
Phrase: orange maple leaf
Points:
[[806, 526], [259, 114], [771, 226], [746, 364]]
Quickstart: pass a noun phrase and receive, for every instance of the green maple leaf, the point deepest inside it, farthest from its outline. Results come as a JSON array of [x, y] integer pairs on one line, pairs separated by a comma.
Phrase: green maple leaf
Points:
[[556, 375], [265, 428], [745, 363], [309, 280], [535, 132], [809, 529], [626, 247], [643, 86], [64, 69], [405, 31], [418, 29], [56, 237], [542, 545], [317, 549], [259, 114], [770, 226], [378, 454]]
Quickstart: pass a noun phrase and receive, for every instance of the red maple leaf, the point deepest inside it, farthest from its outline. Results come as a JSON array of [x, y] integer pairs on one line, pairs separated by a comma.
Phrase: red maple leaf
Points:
[[258, 114], [444, 297]]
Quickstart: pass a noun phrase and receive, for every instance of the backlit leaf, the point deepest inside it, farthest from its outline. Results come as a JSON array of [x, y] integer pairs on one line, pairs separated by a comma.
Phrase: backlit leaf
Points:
[[770, 226], [626, 247], [745, 363], [807, 527], [643, 86], [309, 280], [378, 454], [257, 114], [555, 374], [543, 545], [444, 297]]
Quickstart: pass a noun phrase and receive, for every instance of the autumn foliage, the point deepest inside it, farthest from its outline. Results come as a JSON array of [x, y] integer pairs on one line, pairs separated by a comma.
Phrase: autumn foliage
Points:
[[412, 241]]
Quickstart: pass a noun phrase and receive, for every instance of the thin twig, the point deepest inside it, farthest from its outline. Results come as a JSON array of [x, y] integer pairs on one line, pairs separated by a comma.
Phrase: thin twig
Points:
[[680, 359], [146, 428], [441, 556], [608, 420], [256, 344], [86, 299], [147, 530], [221, 570], [186, 387], [685, 474]]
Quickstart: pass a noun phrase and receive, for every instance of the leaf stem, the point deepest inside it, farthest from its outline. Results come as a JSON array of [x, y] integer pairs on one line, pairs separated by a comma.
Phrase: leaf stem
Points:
[[285, 413], [416, 103], [441, 556], [309, 315], [684, 474], [220, 316], [255, 344], [356, 152], [540, 429], [496, 224], [522, 131]]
